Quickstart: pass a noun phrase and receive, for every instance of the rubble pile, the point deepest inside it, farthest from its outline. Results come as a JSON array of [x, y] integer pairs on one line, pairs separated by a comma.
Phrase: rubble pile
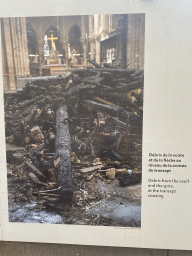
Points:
[[62, 133]]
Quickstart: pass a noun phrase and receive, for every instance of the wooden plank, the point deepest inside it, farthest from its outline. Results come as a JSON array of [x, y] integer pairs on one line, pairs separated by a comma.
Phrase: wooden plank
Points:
[[35, 171], [91, 169]]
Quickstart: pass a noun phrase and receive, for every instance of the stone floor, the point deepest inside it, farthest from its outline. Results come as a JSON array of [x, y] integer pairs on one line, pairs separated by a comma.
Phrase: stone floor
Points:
[[38, 249]]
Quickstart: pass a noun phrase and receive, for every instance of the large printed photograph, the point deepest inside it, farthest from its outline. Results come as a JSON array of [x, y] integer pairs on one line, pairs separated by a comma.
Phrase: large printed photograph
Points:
[[73, 104]]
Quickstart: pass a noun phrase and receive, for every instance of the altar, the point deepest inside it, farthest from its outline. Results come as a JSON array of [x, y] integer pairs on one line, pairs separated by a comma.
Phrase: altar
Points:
[[54, 57]]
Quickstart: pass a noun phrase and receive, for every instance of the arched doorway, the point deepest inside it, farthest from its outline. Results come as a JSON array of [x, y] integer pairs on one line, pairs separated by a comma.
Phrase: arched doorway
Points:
[[31, 39], [76, 49]]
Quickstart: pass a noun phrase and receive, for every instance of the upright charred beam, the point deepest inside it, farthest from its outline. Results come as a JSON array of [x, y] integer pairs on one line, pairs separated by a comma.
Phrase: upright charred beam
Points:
[[63, 155]]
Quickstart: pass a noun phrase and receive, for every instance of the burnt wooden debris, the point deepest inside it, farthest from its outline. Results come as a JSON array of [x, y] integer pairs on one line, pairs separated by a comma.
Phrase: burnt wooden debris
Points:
[[75, 123], [63, 155], [130, 179]]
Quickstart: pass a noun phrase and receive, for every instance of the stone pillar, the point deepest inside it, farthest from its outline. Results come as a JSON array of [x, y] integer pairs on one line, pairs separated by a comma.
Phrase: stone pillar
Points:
[[83, 39], [91, 37], [25, 47], [105, 24], [4, 60], [97, 49], [15, 47], [92, 48], [41, 52], [10, 67], [91, 26], [64, 42], [97, 38], [40, 43], [19, 37], [84, 45]]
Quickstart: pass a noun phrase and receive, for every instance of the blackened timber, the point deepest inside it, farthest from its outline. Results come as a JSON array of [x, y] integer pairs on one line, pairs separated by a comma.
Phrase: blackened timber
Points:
[[130, 179], [35, 179], [80, 72], [116, 71], [35, 171], [63, 155], [126, 87], [93, 80], [111, 110], [138, 73], [95, 64], [107, 65], [77, 88], [120, 96], [31, 114], [29, 102], [104, 101]]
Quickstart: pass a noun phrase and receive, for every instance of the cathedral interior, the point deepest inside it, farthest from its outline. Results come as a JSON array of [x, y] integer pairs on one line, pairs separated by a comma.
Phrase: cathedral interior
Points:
[[33, 44]]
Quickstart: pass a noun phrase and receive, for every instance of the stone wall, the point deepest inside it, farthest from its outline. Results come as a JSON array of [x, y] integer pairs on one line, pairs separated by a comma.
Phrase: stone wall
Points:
[[15, 58]]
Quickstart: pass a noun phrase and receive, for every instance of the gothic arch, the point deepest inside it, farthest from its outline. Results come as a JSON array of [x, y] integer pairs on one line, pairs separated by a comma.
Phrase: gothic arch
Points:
[[31, 39], [74, 39]]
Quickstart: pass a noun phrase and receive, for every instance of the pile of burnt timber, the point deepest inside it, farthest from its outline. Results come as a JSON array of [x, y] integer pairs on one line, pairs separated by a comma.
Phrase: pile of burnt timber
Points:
[[93, 112]]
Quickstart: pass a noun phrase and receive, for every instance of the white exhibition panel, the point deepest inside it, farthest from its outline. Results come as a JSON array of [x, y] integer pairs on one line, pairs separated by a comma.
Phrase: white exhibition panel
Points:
[[166, 223]]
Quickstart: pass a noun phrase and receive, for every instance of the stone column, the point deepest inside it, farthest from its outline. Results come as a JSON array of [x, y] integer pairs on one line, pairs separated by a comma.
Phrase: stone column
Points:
[[64, 39], [105, 24], [64, 42], [41, 52], [91, 37], [83, 39], [40, 42], [97, 38], [15, 47], [4, 60], [19, 36], [9, 55], [92, 48], [84, 45], [25, 47], [97, 49]]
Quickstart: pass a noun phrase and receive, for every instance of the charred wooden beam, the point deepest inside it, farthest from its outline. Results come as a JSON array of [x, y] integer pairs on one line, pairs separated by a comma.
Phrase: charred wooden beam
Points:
[[126, 87], [34, 179], [113, 122], [138, 73], [63, 155], [35, 171], [93, 80], [112, 110], [119, 97], [31, 114], [130, 179], [80, 72], [104, 101], [107, 65], [78, 88], [29, 102], [95, 64], [116, 71]]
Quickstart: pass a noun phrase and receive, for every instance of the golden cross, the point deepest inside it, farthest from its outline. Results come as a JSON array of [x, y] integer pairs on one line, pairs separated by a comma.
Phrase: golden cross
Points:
[[52, 39]]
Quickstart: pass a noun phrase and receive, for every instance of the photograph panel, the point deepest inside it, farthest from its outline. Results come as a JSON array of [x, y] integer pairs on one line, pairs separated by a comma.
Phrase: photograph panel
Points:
[[73, 104]]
